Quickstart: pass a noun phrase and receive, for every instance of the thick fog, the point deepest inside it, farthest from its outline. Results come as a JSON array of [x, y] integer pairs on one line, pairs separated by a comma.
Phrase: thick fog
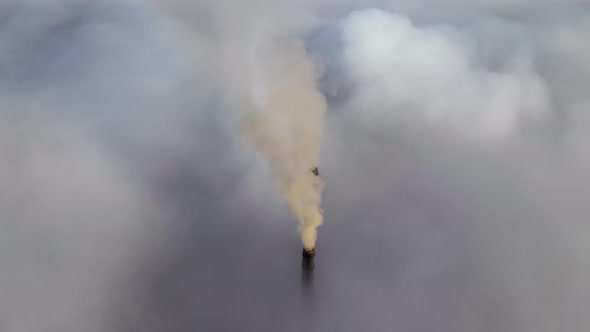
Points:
[[451, 138]]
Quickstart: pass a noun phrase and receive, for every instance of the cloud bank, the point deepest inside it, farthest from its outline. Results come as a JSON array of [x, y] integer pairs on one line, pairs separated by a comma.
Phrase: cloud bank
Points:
[[452, 150]]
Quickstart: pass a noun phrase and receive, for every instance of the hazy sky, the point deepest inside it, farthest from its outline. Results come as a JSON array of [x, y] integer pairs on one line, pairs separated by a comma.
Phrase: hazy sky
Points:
[[453, 153]]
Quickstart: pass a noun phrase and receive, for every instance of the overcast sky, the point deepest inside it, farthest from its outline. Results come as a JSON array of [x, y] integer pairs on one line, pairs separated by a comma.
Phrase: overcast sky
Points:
[[454, 154]]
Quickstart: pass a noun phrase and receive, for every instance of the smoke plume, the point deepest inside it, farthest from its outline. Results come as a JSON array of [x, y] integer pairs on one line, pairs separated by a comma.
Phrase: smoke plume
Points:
[[271, 93], [285, 127]]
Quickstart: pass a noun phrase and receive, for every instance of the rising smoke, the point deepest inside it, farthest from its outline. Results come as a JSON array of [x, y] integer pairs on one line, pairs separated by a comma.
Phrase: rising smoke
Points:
[[286, 127], [140, 139]]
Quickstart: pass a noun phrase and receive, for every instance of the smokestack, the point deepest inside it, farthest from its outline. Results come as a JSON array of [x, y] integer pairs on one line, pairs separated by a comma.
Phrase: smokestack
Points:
[[307, 262], [307, 266]]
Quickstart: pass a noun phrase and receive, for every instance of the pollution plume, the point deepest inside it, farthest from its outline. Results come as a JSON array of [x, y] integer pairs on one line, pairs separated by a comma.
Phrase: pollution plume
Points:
[[285, 127]]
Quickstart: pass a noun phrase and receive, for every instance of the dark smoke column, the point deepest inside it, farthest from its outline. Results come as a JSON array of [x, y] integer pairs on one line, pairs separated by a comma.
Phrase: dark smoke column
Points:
[[307, 262]]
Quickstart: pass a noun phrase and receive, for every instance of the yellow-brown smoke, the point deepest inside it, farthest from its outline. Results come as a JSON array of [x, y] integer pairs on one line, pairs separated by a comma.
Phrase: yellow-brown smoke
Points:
[[285, 127]]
